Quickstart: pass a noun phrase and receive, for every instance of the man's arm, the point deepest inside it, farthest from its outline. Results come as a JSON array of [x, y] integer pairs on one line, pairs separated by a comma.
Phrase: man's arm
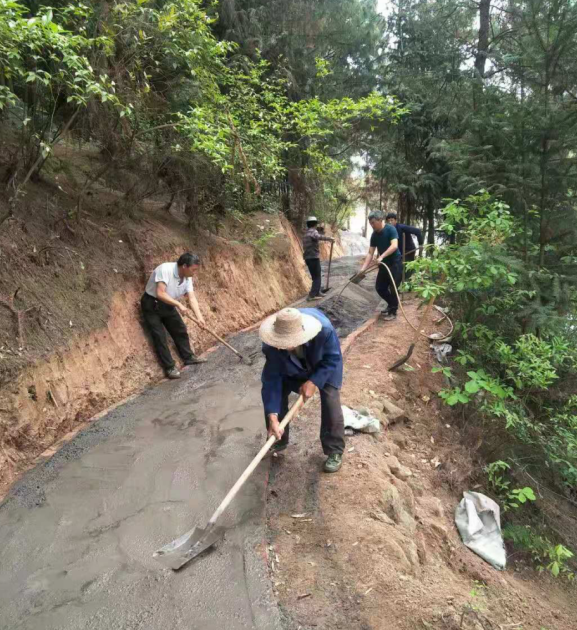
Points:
[[317, 236], [194, 306], [163, 296], [272, 391], [415, 231], [368, 258], [391, 249]]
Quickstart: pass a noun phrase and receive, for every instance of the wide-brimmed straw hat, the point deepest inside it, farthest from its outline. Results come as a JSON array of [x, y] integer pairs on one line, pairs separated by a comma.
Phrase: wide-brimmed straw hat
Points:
[[289, 328]]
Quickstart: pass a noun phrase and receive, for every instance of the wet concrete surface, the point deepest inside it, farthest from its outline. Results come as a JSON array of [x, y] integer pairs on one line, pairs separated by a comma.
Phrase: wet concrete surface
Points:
[[78, 532]]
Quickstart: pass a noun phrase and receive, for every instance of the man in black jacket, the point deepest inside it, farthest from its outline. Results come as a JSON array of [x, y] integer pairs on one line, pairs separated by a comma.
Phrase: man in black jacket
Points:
[[406, 242]]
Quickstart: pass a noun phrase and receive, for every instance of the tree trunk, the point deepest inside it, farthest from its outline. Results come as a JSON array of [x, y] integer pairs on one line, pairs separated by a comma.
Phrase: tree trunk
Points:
[[425, 231], [409, 210], [483, 41], [431, 222], [382, 175]]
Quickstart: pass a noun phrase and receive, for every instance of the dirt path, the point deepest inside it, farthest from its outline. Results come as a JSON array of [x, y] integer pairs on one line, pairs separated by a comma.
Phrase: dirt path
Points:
[[77, 533], [375, 547]]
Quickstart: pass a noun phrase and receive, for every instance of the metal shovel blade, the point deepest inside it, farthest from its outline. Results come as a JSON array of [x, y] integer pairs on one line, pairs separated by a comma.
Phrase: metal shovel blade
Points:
[[190, 545]]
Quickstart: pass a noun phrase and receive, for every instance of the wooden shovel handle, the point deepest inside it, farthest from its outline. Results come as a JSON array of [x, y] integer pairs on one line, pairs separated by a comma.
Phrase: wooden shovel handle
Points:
[[209, 331], [255, 462], [329, 267]]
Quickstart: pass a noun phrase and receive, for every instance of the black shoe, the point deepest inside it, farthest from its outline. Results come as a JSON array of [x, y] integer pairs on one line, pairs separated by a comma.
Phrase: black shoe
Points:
[[324, 291], [389, 316], [194, 361], [173, 373]]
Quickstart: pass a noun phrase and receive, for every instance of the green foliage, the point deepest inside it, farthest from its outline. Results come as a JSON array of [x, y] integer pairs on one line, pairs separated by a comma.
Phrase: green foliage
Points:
[[478, 259], [518, 380], [445, 371], [154, 84], [254, 116], [553, 558], [46, 74], [261, 244], [500, 485]]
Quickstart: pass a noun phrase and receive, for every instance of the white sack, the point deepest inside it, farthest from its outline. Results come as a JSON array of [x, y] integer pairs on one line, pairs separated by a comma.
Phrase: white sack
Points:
[[478, 520], [360, 420]]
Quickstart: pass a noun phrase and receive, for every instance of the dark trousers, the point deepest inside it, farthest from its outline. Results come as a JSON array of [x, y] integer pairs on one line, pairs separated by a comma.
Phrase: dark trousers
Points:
[[332, 421], [384, 286], [159, 318], [314, 265]]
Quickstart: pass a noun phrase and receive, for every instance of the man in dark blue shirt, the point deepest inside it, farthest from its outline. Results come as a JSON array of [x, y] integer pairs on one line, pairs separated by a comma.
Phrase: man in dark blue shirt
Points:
[[406, 244], [303, 354], [386, 240]]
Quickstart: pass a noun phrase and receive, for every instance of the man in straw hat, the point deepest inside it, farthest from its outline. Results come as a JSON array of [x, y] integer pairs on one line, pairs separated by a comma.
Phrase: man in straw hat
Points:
[[303, 354]]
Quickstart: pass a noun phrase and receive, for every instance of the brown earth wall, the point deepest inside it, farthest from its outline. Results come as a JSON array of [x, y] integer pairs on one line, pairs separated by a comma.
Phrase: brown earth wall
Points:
[[84, 344]]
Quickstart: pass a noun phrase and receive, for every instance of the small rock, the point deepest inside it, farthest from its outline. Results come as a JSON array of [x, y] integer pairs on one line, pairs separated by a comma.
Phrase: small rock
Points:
[[397, 469], [394, 414]]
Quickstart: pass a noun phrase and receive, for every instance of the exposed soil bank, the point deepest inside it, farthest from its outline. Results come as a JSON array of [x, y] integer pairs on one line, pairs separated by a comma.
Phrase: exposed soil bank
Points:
[[83, 347]]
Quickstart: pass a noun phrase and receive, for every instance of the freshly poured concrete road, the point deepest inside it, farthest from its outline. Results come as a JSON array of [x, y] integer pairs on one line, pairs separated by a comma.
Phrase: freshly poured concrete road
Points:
[[77, 533]]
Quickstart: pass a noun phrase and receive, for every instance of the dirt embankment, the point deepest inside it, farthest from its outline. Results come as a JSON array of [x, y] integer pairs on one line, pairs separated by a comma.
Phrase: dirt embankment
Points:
[[71, 336], [375, 547]]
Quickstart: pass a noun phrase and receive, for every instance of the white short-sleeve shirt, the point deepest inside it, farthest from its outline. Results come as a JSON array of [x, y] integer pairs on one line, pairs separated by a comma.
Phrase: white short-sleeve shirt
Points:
[[168, 273]]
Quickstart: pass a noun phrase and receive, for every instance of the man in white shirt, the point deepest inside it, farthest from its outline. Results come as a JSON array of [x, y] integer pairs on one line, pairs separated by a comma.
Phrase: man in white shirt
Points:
[[160, 308]]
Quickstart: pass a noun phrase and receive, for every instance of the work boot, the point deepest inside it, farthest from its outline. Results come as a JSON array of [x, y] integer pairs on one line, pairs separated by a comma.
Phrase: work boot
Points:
[[172, 373], [333, 463], [314, 298], [194, 360]]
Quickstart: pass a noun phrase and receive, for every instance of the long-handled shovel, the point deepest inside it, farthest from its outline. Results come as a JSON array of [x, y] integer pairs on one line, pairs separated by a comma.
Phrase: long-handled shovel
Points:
[[182, 550], [327, 286], [242, 357]]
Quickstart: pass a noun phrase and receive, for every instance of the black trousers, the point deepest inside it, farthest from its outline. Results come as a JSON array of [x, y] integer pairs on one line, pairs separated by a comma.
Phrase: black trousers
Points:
[[159, 318], [314, 265], [384, 286], [332, 421]]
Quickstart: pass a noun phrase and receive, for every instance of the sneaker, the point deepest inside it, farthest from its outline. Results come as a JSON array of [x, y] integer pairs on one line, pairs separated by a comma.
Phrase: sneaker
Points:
[[314, 298], [278, 447], [325, 291], [173, 373], [389, 317], [194, 361], [333, 463]]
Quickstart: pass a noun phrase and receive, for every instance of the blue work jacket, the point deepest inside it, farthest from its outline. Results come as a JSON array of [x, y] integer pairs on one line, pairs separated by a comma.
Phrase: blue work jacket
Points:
[[323, 358]]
